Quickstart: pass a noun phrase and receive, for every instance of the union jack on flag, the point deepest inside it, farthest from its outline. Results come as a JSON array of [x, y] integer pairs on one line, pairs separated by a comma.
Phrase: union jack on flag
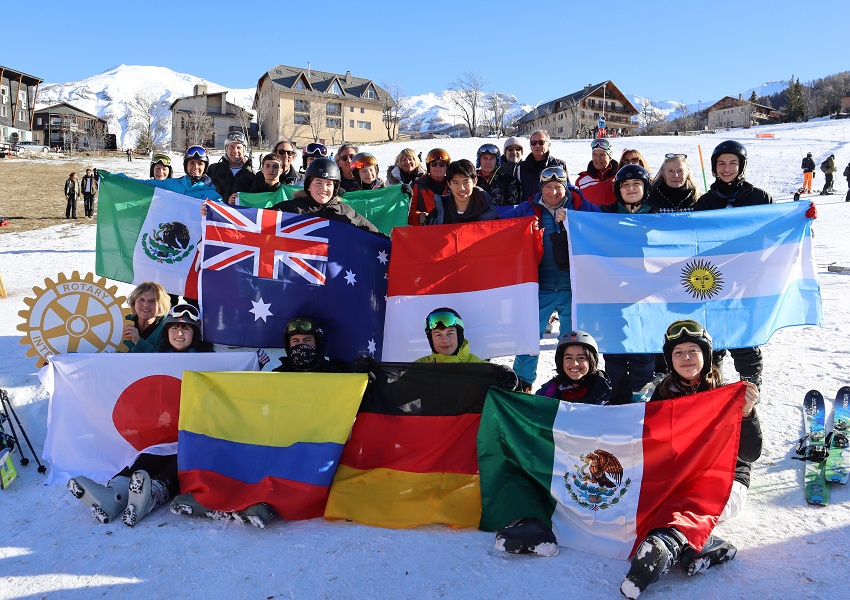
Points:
[[266, 241]]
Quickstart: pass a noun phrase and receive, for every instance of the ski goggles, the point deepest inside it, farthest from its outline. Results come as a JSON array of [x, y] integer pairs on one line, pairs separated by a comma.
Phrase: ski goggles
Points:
[[437, 155], [441, 320], [185, 310], [553, 174], [364, 160], [301, 325], [236, 137], [489, 149], [675, 155], [196, 152], [601, 144], [315, 149], [686, 327], [162, 159]]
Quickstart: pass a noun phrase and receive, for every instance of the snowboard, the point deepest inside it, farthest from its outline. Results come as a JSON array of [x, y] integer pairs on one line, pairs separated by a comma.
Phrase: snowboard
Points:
[[838, 464], [813, 450]]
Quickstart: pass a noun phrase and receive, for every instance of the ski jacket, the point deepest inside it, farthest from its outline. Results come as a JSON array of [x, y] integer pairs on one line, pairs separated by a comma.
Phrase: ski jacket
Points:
[[375, 185], [829, 165], [334, 210], [527, 173], [324, 366], [598, 391], [619, 207], [261, 186], [808, 165], [847, 172], [349, 185], [501, 186], [664, 199], [226, 183], [150, 338], [288, 178], [549, 276], [726, 195], [395, 176], [463, 356], [445, 210], [598, 188], [202, 190], [424, 191]]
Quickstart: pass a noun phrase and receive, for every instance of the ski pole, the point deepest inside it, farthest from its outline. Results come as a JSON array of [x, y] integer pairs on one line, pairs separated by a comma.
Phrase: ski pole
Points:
[[702, 164]]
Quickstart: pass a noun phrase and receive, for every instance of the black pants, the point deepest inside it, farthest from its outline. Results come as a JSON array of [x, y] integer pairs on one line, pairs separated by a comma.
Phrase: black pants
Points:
[[748, 362], [828, 184], [163, 468], [71, 209], [88, 204]]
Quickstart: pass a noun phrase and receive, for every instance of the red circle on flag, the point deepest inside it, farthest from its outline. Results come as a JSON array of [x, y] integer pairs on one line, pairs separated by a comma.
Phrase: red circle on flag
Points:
[[147, 411]]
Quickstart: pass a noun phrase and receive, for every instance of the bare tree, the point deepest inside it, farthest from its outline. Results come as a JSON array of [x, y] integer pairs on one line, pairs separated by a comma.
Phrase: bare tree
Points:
[[244, 117], [199, 126], [97, 136], [498, 106], [649, 114], [394, 108], [467, 94], [316, 112], [262, 106], [683, 112], [148, 117]]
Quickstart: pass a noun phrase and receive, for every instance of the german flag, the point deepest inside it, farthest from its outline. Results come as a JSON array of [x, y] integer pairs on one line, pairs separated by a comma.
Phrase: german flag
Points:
[[412, 457]]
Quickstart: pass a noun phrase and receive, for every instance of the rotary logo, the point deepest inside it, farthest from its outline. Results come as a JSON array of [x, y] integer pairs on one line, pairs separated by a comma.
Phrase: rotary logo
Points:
[[169, 243], [701, 279], [597, 484], [73, 315]]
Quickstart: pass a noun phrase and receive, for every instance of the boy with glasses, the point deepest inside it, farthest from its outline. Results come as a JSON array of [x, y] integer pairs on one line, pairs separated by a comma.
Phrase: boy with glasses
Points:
[[597, 182]]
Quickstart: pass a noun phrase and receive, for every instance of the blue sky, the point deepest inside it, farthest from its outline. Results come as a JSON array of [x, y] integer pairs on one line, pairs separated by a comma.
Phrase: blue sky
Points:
[[536, 50]]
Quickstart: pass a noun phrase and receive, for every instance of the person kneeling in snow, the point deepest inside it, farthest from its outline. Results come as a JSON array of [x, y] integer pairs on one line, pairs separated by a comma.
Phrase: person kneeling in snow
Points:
[[152, 479], [578, 380]]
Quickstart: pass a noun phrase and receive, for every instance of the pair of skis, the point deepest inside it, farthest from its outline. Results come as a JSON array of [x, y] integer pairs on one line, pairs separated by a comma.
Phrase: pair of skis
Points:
[[827, 456]]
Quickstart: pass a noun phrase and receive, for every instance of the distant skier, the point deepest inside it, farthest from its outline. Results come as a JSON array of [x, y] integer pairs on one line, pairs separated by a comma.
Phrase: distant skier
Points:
[[602, 127], [847, 177], [828, 167], [808, 167]]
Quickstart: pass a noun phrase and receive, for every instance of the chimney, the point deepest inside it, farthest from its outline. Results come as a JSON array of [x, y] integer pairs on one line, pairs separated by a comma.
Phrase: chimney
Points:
[[348, 77], [740, 96], [200, 89], [224, 103], [309, 72]]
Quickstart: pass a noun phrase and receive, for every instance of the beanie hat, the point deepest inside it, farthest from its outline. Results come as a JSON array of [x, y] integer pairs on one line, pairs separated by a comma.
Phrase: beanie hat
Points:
[[513, 141]]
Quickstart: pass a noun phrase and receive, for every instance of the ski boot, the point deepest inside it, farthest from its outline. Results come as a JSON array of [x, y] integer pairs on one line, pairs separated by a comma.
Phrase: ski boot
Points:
[[107, 502], [145, 495], [527, 536], [654, 557], [258, 515], [715, 552], [185, 504]]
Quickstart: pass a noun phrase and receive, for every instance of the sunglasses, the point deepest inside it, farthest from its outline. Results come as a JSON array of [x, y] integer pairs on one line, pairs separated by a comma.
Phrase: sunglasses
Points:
[[537, 142], [185, 311], [686, 327], [286, 152], [513, 149], [300, 326], [673, 155], [315, 149], [553, 174], [196, 151], [159, 158], [347, 157], [438, 163], [602, 144], [489, 149], [441, 320]]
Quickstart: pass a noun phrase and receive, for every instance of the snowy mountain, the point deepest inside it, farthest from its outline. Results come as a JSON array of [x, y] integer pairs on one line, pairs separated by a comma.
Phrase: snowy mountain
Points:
[[109, 95], [436, 112]]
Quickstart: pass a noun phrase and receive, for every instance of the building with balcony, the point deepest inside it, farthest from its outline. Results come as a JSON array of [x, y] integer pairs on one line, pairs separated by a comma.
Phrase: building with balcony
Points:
[[206, 119], [65, 127], [737, 112], [18, 92], [575, 115]]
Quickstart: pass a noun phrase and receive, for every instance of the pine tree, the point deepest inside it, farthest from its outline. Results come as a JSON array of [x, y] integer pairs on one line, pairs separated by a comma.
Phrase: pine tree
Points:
[[753, 98], [796, 109]]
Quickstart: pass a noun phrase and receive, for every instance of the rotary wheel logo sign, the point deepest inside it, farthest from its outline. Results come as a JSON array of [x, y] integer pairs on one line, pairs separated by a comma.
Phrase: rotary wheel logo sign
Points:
[[73, 315]]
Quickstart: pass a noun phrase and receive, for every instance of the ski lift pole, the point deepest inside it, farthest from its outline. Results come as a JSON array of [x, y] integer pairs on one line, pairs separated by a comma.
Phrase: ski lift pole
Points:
[[702, 165]]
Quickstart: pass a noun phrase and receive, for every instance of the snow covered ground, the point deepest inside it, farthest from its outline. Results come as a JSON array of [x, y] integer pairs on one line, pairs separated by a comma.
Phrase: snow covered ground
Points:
[[50, 546]]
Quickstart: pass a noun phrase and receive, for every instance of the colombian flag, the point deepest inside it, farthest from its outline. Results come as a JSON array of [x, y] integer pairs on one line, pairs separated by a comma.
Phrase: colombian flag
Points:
[[264, 437], [412, 456]]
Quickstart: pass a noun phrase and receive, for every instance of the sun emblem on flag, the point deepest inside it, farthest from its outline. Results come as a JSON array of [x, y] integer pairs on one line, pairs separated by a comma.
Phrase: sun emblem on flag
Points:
[[597, 484], [701, 279], [169, 243]]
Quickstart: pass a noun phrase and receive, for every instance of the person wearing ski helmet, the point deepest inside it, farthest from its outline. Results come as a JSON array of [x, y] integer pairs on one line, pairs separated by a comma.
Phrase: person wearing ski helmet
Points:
[[499, 183], [673, 188], [304, 341], [631, 189], [555, 196], [195, 183], [161, 167], [828, 167], [597, 182], [364, 167], [808, 166], [320, 197], [444, 330], [233, 173], [687, 349], [430, 185], [311, 152]]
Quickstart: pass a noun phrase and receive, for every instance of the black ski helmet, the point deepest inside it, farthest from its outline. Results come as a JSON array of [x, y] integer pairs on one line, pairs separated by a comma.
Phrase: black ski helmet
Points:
[[441, 318], [196, 153], [580, 338], [305, 325], [688, 330], [730, 147], [164, 160], [323, 168], [492, 150], [632, 172]]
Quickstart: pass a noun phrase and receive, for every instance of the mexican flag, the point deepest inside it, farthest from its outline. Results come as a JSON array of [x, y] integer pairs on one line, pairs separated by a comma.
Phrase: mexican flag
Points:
[[604, 476], [147, 234], [105, 409]]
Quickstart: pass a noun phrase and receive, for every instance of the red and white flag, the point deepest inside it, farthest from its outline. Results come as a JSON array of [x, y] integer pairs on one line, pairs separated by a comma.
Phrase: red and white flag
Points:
[[105, 409], [486, 271]]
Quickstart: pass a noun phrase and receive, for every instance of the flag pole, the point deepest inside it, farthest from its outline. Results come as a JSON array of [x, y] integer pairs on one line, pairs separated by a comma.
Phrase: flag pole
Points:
[[702, 164]]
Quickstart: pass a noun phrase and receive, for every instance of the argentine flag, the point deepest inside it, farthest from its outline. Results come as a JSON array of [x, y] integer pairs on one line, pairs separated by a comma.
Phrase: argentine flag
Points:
[[742, 273]]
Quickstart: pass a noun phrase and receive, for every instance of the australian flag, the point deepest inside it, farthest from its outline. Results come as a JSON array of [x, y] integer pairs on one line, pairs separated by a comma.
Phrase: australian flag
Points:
[[260, 268]]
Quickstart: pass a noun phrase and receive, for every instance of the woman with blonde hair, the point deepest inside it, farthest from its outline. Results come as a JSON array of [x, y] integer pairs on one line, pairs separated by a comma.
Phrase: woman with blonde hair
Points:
[[148, 303], [674, 188], [631, 156], [406, 169]]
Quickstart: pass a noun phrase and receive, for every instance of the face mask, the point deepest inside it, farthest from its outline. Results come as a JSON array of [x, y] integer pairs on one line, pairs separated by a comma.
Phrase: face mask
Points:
[[303, 357]]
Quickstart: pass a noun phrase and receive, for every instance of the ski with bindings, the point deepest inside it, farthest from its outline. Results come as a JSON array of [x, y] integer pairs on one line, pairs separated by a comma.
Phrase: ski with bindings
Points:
[[838, 463], [813, 450]]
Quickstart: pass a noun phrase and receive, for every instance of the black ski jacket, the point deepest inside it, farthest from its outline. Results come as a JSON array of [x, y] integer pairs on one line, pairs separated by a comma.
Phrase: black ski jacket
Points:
[[732, 195], [226, 183]]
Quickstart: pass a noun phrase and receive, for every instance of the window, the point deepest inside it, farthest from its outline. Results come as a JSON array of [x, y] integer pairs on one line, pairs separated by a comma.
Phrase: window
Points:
[[299, 85], [351, 109], [334, 109], [364, 125], [302, 106], [4, 112], [333, 123], [335, 89], [362, 110], [38, 121], [22, 97], [370, 93], [351, 122], [301, 119], [4, 95]]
